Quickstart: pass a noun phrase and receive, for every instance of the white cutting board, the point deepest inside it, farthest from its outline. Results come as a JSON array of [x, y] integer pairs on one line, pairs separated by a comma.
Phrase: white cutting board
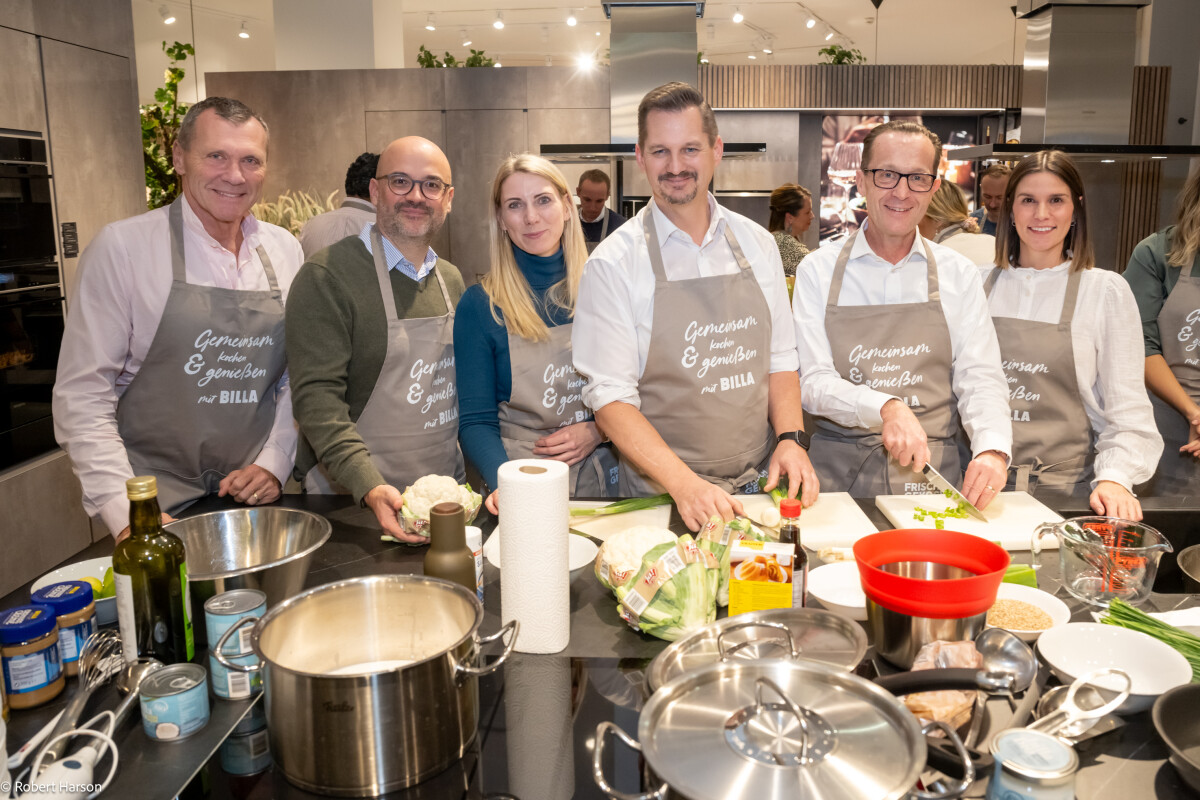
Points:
[[1012, 517], [835, 520], [603, 527]]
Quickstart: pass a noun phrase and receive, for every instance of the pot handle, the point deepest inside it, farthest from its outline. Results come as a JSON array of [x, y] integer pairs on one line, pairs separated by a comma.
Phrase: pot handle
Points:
[[963, 763], [725, 654], [462, 670], [598, 765], [930, 680], [219, 656]]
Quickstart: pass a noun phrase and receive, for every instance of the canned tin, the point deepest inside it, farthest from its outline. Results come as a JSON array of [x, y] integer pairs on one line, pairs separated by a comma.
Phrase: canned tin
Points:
[[246, 754], [1032, 764], [174, 702], [222, 611], [255, 719], [231, 684]]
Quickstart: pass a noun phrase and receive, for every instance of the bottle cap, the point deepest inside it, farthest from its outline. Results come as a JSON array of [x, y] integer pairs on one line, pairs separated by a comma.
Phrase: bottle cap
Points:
[[142, 487], [66, 597], [790, 508], [26, 623]]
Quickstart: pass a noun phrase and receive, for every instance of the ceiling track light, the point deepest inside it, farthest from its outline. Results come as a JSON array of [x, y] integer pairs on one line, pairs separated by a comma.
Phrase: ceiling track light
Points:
[[549, 61], [466, 40], [810, 23], [828, 34], [243, 33], [737, 15], [167, 17], [430, 23], [499, 23], [571, 20], [752, 57]]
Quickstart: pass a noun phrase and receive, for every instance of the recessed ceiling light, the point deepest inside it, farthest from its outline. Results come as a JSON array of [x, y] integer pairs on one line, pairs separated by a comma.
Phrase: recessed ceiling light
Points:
[[243, 33], [499, 23], [167, 17], [1108, 161], [597, 33], [1157, 158], [430, 23]]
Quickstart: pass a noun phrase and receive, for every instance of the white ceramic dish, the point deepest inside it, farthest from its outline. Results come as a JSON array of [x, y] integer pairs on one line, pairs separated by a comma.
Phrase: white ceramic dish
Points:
[[106, 609], [1079, 647], [582, 551], [838, 588], [1059, 613]]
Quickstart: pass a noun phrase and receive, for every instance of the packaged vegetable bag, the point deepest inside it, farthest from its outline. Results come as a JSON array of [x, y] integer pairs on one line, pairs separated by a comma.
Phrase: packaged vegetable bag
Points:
[[671, 593]]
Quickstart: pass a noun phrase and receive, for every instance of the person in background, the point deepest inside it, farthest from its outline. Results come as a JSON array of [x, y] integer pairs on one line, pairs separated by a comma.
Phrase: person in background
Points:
[[791, 215], [991, 194], [371, 344], [172, 362], [512, 335], [1082, 424], [349, 218], [598, 219], [947, 222], [1164, 274], [895, 342], [682, 329]]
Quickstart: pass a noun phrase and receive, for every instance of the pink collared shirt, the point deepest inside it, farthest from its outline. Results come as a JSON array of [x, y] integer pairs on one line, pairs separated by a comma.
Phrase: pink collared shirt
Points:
[[113, 312]]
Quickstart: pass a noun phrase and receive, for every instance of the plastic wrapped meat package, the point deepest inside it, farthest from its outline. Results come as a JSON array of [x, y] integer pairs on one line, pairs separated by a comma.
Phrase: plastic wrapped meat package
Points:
[[951, 707]]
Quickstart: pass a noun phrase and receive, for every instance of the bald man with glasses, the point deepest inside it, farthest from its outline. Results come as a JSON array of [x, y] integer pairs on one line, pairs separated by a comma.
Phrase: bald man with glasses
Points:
[[897, 348], [370, 343]]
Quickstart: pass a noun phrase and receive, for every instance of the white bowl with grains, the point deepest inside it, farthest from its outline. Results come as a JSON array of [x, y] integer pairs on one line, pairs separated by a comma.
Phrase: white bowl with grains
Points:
[[1026, 611]]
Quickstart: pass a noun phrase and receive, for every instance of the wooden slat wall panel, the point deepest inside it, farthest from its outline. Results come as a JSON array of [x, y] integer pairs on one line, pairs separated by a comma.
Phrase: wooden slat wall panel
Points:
[[1142, 180]]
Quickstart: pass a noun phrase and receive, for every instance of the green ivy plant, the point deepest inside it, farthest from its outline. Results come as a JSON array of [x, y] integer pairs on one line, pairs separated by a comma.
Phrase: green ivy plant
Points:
[[160, 126], [427, 60], [836, 54]]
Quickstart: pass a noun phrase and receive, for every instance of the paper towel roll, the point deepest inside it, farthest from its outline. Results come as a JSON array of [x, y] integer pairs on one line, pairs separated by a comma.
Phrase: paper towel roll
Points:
[[534, 572], [540, 745]]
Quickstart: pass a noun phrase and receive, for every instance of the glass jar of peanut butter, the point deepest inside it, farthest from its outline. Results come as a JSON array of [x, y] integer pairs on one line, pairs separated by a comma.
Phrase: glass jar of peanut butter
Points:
[[29, 655], [76, 612]]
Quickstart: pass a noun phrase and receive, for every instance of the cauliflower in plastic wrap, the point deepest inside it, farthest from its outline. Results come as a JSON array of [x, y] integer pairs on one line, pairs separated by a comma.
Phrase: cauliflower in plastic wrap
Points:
[[427, 492], [621, 555]]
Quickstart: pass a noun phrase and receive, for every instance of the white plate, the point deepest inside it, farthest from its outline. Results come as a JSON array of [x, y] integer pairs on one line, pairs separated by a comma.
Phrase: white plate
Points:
[[1078, 648], [106, 609], [1059, 613], [581, 553], [838, 588]]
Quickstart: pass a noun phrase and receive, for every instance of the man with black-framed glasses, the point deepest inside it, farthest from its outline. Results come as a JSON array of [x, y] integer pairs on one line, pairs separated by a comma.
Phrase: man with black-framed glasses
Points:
[[371, 344], [897, 347]]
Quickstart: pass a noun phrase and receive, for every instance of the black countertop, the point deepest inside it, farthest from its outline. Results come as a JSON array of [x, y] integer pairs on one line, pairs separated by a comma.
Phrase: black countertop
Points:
[[538, 714]]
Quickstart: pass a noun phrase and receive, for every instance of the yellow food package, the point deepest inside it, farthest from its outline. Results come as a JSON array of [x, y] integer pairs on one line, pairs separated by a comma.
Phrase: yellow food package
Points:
[[760, 576]]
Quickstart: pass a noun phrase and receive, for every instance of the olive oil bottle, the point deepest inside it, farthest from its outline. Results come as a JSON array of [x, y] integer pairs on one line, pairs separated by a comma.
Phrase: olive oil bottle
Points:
[[150, 572]]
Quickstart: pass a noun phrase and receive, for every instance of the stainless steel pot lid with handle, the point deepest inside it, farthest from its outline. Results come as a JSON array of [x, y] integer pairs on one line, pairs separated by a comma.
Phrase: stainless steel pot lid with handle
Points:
[[757, 729], [786, 633]]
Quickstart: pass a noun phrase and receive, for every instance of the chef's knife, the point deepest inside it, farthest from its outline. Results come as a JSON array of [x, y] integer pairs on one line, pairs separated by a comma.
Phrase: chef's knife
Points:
[[942, 485]]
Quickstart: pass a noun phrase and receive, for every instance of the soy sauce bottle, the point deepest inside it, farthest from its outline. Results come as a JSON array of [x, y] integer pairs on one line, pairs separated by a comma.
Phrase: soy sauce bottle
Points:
[[789, 533]]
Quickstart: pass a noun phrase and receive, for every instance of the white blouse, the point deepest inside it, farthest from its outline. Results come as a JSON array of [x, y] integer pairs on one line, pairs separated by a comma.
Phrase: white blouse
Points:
[[1106, 338]]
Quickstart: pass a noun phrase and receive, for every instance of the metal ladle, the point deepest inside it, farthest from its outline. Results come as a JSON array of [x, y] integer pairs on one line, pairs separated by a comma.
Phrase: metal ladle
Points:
[[1004, 654], [130, 681]]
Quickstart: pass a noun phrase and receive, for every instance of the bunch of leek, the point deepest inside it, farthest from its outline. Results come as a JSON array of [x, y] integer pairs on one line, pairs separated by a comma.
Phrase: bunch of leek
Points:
[[622, 506], [1124, 615]]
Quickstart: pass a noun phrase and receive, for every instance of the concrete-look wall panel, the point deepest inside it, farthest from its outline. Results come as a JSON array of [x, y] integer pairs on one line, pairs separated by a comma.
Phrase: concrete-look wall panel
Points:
[[316, 120], [106, 25], [478, 88], [95, 140], [385, 126], [480, 140], [17, 14], [778, 165], [22, 103], [404, 89], [554, 87]]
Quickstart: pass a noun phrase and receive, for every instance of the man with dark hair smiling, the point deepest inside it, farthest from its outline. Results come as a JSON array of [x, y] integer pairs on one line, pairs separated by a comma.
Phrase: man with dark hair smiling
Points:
[[895, 340], [349, 218], [683, 331]]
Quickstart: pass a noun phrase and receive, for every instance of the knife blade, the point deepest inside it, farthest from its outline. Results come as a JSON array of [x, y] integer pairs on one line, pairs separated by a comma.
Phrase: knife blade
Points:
[[942, 485]]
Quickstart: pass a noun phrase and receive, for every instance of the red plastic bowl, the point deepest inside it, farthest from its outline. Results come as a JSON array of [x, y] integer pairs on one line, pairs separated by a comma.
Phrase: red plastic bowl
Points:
[[939, 599]]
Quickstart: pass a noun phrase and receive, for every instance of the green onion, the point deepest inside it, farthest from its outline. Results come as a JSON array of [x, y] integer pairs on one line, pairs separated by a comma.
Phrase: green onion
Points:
[[779, 493], [1022, 574], [958, 512], [1124, 615], [623, 506]]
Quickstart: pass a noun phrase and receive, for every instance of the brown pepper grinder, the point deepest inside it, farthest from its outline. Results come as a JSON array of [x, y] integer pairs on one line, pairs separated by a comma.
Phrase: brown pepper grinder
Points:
[[449, 557]]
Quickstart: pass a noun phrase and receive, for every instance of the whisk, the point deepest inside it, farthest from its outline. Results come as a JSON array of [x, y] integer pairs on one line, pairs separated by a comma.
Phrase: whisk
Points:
[[99, 659]]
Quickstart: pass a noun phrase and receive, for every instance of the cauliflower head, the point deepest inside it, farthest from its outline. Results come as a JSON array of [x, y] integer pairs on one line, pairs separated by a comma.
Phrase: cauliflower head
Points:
[[620, 556], [430, 490]]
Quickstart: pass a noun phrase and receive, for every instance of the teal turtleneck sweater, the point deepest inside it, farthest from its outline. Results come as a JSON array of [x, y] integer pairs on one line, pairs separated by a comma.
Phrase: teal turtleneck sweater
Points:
[[482, 361]]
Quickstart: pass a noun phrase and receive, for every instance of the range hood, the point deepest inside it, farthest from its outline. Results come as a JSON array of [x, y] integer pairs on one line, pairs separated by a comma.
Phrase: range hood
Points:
[[1077, 84], [652, 42]]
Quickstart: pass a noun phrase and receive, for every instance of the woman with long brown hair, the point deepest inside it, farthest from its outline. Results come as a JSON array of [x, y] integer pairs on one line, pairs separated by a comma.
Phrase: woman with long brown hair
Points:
[[791, 216], [518, 394], [1070, 346], [1164, 274]]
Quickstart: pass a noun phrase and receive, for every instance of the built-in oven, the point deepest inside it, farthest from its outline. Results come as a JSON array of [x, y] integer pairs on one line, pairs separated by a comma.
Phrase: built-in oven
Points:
[[27, 234]]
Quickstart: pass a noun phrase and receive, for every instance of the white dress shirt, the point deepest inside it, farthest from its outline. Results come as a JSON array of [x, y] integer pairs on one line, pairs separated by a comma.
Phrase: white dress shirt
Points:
[[114, 309], [1106, 339], [979, 248], [614, 311], [977, 379]]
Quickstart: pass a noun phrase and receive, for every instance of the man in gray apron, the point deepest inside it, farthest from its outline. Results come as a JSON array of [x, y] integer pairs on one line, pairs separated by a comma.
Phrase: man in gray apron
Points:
[[895, 341], [371, 344], [173, 359], [683, 331], [596, 218]]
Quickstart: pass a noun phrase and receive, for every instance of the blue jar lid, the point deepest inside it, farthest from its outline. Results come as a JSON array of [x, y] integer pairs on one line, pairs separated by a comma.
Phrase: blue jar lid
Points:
[[26, 623], [66, 597]]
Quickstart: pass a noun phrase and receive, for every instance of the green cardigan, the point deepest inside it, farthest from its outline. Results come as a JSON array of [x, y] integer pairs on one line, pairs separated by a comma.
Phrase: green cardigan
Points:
[[336, 343]]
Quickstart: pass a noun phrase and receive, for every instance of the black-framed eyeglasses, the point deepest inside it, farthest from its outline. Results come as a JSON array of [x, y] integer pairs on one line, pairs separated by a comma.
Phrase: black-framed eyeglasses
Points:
[[401, 185], [889, 179]]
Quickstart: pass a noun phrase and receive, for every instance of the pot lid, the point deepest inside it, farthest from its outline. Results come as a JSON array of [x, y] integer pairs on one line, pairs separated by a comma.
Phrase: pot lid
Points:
[[815, 635], [734, 730]]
